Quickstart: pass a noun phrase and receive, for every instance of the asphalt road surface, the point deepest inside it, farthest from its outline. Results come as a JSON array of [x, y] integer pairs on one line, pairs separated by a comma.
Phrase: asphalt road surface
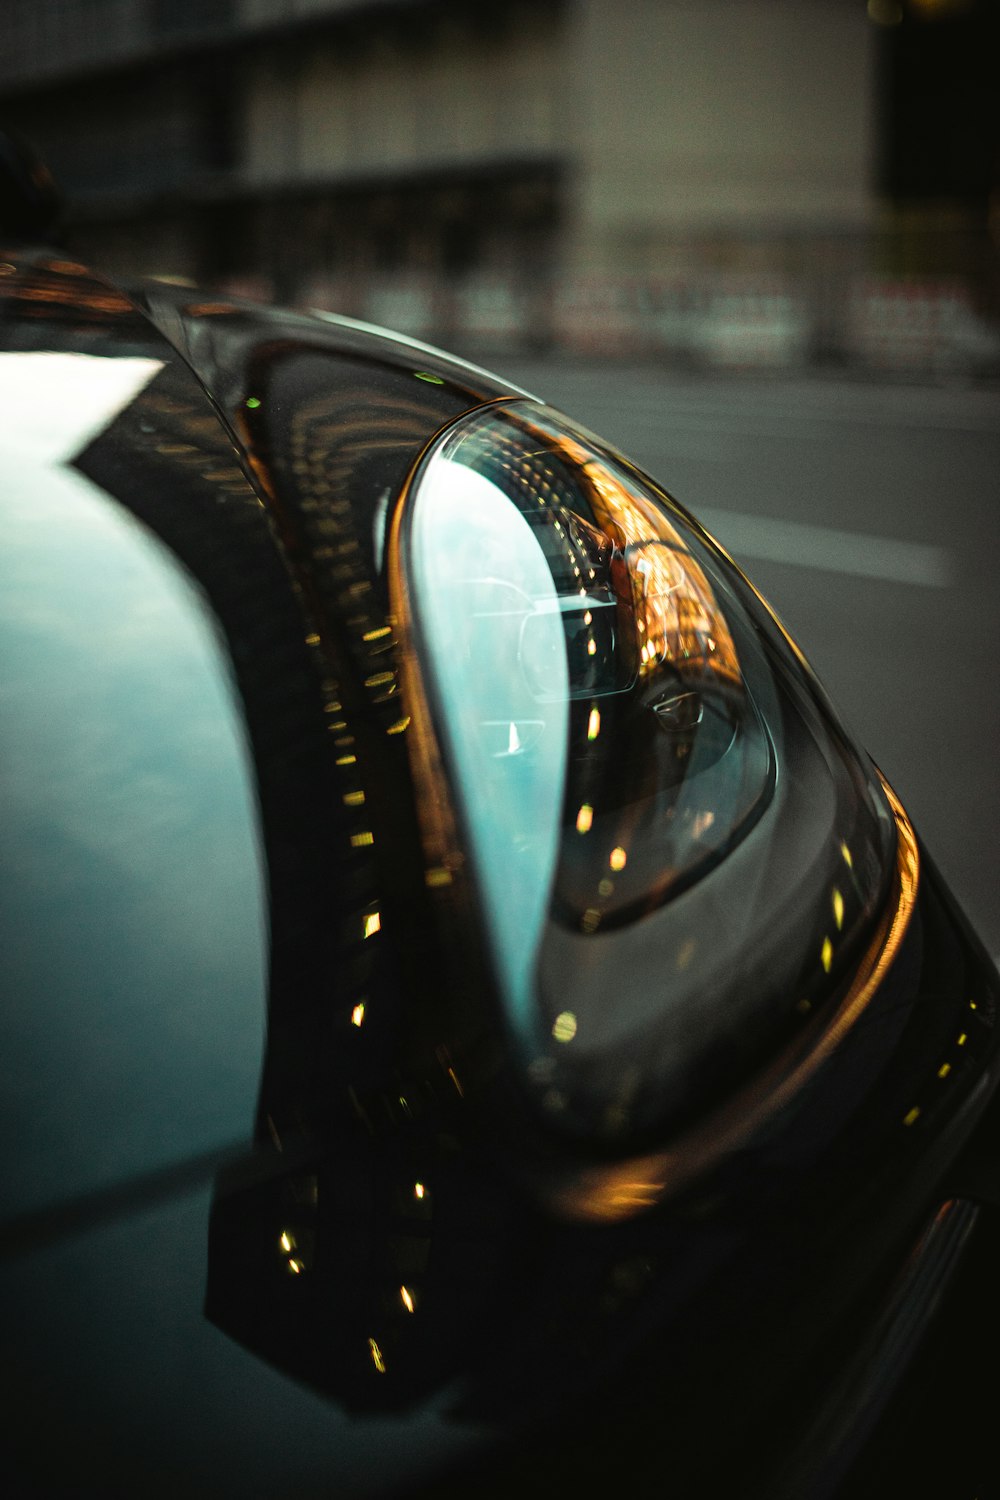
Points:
[[869, 515]]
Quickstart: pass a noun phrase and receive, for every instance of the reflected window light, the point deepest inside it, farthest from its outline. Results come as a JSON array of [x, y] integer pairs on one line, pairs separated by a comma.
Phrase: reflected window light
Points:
[[358, 1014], [295, 1267], [361, 840], [913, 1116], [591, 647], [287, 1241], [347, 760], [826, 954], [379, 679], [618, 859], [847, 856], [588, 618], [373, 923], [702, 823], [377, 635], [963, 1038], [354, 799], [838, 908], [564, 1026], [594, 724], [686, 952], [584, 818], [312, 639], [944, 1070], [406, 1297], [419, 1191], [399, 725]]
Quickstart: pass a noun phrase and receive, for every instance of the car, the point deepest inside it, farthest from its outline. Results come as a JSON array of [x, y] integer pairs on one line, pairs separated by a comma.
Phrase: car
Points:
[[474, 1021]]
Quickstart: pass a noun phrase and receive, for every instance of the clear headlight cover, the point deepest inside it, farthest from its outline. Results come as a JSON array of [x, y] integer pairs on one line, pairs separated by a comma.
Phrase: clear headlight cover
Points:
[[676, 853]]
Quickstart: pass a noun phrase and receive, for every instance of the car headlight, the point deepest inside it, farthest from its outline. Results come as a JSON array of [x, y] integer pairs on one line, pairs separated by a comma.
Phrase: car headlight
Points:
[[677, 858]]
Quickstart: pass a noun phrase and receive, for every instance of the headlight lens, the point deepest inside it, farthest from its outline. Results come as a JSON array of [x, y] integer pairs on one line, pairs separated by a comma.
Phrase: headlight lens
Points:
[[677, 854]]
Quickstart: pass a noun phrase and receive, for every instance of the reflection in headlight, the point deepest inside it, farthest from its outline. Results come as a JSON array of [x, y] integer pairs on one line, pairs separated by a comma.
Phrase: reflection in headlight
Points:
[[586, 680], [606, 714]]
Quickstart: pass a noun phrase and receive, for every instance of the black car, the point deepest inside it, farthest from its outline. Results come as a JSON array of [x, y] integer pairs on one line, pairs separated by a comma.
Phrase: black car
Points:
[[473, 1021]]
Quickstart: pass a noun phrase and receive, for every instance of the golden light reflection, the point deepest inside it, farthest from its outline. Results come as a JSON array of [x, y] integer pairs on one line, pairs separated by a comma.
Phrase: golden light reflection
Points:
[[296, 1267], [354, 799], [419, 1191], [913, 1116], [594, 724], [848, 857], [358, 1014], [361, 840], [944, 1070], [826, 954], [406, 1297], [287, 1241], [838, 908], [672, 599], [618, 858], [564, 1026], [377, 1358], [585, 818], [373, 923], [399, 726]]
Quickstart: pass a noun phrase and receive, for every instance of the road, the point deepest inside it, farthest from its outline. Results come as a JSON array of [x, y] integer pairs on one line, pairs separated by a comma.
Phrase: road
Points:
[[869, 516]]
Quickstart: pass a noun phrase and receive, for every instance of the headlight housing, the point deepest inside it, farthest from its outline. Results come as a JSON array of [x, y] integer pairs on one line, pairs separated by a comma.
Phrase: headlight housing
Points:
[[677, 856]]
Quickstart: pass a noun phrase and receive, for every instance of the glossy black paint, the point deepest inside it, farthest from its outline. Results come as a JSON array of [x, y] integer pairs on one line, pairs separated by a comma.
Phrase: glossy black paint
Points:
[[154, 1326]]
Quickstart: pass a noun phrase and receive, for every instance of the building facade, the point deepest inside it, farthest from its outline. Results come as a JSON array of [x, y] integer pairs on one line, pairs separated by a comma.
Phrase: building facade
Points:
[[599, 173]]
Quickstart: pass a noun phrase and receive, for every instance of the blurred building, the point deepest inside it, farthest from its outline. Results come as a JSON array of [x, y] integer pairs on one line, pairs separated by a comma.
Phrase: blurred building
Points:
[[707, 177]]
